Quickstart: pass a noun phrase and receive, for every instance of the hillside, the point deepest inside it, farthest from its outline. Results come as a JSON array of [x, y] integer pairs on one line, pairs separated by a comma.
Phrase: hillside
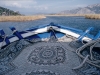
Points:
[[5, 11], [91, 9]]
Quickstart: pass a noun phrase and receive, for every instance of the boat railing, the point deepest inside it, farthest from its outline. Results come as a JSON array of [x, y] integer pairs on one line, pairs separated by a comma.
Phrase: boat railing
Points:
[[5, 40]]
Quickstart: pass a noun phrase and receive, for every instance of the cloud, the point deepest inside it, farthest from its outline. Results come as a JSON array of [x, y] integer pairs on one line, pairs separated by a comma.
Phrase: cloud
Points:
[[35, 6], [23, 4], [18, 3], [41, 7], [82, 5], [14, 4]]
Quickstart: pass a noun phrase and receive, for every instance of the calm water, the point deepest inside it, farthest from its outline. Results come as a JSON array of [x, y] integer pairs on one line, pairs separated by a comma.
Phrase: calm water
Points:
[[76, 22]]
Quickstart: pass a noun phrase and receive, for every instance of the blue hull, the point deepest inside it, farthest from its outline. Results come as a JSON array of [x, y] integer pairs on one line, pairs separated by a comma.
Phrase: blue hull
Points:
[[46, 31]]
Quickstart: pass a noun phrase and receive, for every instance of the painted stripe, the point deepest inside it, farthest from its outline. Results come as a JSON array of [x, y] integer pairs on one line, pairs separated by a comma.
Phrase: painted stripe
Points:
[[42, 30], [68, 32], [45, 29]]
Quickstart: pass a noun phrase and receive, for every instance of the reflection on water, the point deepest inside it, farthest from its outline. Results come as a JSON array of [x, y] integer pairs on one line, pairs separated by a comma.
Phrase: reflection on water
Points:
[[76, 22]]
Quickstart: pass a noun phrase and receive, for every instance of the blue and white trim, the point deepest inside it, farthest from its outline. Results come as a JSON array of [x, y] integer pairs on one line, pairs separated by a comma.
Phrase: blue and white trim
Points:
[[42, 32]]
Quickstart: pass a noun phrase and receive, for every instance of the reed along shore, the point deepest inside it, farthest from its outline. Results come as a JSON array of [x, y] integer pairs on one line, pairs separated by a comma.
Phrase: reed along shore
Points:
[[66, 15], [87, 16], [20, 18], [93, 16]]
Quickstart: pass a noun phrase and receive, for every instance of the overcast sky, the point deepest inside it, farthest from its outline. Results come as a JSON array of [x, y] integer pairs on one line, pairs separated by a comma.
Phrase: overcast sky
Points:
[[30, 7]]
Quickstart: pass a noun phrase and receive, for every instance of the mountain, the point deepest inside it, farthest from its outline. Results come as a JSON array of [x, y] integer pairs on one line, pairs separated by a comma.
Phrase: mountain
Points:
[[5, 11], [91, 9]]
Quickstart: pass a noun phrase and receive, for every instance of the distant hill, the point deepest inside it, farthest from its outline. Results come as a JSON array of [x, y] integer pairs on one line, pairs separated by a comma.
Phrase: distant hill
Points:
[[91, 9], [5, 11]]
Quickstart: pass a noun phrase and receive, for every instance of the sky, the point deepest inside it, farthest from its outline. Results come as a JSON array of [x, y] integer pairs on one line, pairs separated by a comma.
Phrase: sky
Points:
[[30, 7]]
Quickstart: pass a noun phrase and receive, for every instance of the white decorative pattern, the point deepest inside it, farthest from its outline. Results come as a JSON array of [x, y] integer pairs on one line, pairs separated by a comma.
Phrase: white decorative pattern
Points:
[[47, 55]]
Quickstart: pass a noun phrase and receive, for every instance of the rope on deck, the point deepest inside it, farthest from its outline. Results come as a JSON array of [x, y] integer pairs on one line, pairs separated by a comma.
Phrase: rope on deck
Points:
[[92, 60], [82, 63]]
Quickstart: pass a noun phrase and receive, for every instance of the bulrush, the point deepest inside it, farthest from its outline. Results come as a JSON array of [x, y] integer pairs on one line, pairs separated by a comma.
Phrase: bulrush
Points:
[[20, 18], [93, 16]]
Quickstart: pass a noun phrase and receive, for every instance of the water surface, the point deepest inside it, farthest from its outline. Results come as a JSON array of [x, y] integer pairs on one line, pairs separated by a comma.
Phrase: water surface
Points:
[[75, 22]]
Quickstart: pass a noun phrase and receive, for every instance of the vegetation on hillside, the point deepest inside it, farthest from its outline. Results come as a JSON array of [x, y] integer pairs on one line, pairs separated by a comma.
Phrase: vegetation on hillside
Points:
[[7, 12]]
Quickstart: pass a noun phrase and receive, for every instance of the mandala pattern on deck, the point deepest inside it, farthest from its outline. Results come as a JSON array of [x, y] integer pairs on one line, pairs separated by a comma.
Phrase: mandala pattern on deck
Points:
[[47, 55], [10, 52], [41, 73]]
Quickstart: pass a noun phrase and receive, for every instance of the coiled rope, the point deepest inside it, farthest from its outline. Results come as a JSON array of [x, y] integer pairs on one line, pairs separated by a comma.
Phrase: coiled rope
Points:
[[92, 60]]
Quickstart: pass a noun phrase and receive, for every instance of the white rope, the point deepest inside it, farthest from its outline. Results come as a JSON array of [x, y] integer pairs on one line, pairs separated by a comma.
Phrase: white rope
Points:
[[91, 47], [61, 43], [81, 63], [92, 44], [14, 31], [82, 42]]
